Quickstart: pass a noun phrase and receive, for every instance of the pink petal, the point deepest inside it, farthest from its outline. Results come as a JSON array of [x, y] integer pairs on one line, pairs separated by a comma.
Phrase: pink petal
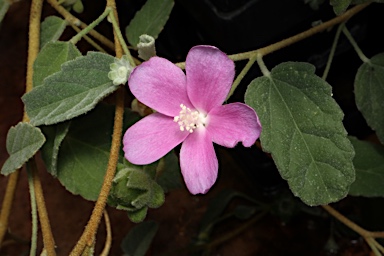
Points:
[[160, 85], [198, 162], [151, 138], [210, 75], [231, 123]]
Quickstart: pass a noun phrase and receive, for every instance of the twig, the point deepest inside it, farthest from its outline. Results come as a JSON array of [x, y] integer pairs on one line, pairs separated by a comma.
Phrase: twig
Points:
[[108, 240], [75, 21], [87, 238]]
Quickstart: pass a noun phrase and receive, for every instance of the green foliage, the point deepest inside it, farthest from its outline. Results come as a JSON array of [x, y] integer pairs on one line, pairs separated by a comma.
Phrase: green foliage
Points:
[[369, 165], [303, 130], [51, 29], [23, 141], [150, 20], [369, 93], [50, 59], [139, 238], [55, 135], [339, 6], [134, 190], [73, 91], [84, 152]]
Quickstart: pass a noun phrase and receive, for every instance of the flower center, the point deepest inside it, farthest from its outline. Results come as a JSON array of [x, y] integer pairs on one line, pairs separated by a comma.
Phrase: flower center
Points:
[[189, 120]]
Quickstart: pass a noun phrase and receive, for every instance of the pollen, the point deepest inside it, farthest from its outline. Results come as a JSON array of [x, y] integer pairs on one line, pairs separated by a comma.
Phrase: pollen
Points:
[[189, 120]]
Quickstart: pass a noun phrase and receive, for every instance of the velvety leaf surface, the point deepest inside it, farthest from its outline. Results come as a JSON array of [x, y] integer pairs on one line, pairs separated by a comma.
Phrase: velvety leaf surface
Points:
[[73, 91], [369, 93], [369, 165], [50, 59], [149, 20], [51, 29], [303, 130], [54, 135], [23, 141], [84, 152], [139, 238]]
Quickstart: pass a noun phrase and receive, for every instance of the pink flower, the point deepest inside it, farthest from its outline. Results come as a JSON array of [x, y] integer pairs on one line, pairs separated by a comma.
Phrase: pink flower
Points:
[[189, 111]]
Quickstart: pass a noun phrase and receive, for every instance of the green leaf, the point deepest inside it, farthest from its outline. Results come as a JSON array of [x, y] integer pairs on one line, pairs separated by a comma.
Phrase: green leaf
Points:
[[340, 6], [23, 141], [138, 215], [369, 93], [4, 6], [149, 20], [55, 135], [51, 29], [168, 172], [303, 130], [73, 91], [369, 165], [139, 238], [84, 152], [50, 59]]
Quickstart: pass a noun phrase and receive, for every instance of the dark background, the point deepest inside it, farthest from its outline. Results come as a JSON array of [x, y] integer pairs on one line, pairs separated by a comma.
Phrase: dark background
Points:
[[233, 26]]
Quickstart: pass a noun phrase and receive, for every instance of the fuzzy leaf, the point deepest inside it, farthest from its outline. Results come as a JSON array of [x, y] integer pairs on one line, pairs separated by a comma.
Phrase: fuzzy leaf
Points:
[[303, 130], [23, 141], [369, 93], [51, 29], [50, 59], [369, 165], [150, 20], [55, 135], [84, 152], [138, 215], [139, 238], [73, 91]]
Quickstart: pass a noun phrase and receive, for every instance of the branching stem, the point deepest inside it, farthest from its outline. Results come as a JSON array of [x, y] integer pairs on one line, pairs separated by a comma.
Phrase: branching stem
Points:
[[87, 238]]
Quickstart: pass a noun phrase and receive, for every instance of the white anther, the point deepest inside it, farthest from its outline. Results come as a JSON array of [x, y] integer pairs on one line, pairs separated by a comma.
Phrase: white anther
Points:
[[188, 119]]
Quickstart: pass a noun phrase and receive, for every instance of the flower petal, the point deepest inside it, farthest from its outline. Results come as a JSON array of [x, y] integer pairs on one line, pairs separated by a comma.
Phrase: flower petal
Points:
[[160, 85], [228, 124], [198, 162], [151, 138], [210, 75]]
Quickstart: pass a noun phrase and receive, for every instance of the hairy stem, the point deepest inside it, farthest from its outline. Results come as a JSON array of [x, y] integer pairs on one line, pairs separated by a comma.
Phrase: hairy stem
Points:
[[367, 235], [87, 238], [296, 38], [355, 46], [32, 251], [86, 30], [49, 242], [33, 50], [75, 21], [7, 203], [333, 50], [108, 241], [89, 40]]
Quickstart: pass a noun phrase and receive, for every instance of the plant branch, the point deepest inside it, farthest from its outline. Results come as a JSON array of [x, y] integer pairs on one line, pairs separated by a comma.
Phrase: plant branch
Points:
[[32, 251], [86, 30], [87, 238], [75, 21], [355, 46], [108, 241], [296, 38], [367, 235], [333, 50], [89, 40], [33, 50], [49, 242]]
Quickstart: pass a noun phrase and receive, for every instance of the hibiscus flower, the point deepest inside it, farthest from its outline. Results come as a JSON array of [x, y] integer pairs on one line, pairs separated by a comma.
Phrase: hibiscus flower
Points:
[[189, 110]]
